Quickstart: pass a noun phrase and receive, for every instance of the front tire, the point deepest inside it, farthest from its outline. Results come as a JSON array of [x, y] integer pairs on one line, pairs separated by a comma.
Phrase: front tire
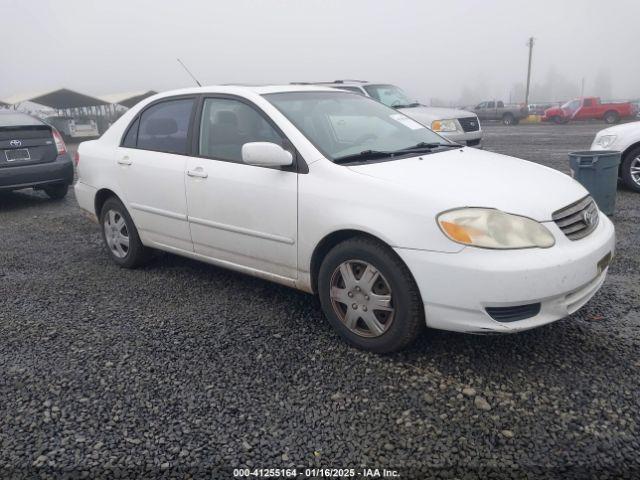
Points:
[[369, 296], [630, 169], [121, 236], [56, 192]]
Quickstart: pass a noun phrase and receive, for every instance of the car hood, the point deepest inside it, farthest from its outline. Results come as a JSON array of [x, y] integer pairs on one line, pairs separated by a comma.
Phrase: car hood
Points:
[[426, 115], [473, 178], [623, 129]]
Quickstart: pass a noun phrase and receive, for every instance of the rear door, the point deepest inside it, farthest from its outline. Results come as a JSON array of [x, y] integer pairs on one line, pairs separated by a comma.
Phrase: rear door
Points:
[[151, 163]]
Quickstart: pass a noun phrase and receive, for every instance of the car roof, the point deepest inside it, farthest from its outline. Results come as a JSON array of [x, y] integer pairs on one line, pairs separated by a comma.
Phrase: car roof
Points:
[[244, 89], [18, 119]]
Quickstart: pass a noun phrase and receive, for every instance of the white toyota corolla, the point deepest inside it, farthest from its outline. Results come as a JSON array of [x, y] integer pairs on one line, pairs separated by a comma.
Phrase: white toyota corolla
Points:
[[393, 226]]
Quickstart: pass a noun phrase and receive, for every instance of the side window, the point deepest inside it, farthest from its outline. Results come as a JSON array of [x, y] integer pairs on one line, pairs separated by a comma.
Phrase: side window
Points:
[[227, 125], [500, 104], [164, 127], [131, 138], [491, 104], [588, 102]]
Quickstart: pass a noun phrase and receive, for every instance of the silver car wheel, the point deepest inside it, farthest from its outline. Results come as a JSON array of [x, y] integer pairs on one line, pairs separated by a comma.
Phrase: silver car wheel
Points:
[[634, 170], [116, 233], [361, 298]]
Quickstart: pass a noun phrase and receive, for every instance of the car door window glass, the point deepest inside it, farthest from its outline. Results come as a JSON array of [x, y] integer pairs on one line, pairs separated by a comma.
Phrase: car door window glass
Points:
[[131, 138], [227, 125], [501, 104], [164, 127], [491, 105]]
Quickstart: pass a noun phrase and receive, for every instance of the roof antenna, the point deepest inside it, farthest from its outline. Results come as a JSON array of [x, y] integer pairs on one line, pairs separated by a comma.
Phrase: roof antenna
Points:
[[187, 70]]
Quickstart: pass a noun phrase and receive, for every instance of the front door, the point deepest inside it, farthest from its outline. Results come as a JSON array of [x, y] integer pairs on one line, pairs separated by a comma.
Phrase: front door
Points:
[[240, 214], [151, 164]]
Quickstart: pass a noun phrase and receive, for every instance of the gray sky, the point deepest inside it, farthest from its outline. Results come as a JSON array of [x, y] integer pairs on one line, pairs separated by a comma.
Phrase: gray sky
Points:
[[434, 49]]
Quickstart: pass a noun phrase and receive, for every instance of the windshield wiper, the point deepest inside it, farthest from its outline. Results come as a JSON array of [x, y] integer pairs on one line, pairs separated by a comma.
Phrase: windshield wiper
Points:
[[428, 146], [408, 105], [364, 155]]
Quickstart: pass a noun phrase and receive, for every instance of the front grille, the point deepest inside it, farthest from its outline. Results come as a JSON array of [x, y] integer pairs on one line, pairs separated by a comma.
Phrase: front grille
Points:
[[514, 313], [469, 124], [578, 219]]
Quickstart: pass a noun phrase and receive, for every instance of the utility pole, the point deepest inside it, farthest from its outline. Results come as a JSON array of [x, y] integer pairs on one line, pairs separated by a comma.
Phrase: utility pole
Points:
[[582, 88], [526, 95]]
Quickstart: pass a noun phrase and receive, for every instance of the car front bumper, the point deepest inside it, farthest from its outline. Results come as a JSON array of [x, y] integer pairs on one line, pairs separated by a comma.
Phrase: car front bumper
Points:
[[456, 288], [471, 139], [41, 174]]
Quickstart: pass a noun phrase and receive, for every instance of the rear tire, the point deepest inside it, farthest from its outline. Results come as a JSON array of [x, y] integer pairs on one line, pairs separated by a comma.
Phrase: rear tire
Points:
[[508, 119], [56, 192], [382, 315], [630, 169], [120, 235], [611, 117]]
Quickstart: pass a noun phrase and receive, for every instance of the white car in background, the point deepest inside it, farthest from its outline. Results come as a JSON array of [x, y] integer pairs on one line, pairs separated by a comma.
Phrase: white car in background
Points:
[[457, 125], [624, 138], [393, 226], [74, 128]]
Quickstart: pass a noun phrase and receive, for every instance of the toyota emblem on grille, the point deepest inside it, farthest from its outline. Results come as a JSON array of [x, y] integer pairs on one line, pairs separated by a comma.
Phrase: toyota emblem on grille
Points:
[[589, 217], [15, 143]]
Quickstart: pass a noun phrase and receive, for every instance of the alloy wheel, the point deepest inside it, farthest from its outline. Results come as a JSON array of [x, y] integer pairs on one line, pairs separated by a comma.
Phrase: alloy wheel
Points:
[[116, 233], [634, 170], [361, 298]]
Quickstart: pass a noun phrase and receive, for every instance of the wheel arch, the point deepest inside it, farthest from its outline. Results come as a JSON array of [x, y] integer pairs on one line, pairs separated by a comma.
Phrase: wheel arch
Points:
[[101, 196], [330, 240], [626, 152]]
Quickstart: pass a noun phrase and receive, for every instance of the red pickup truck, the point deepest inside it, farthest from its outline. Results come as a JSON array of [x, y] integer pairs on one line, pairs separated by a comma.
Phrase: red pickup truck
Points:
[[589, 108]]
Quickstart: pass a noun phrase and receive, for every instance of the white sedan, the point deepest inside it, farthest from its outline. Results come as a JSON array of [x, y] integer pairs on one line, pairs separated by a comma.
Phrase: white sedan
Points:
[[624, 138], [393, 226]]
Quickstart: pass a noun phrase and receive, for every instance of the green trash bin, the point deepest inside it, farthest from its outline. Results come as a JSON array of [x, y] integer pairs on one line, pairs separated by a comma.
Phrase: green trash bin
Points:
[[597, 171]]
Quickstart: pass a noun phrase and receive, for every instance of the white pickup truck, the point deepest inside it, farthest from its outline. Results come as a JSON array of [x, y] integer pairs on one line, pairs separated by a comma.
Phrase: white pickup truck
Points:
[[459, 126], [624, 138]]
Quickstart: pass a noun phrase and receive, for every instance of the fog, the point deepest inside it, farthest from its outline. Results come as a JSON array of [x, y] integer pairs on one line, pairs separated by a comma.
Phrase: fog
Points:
[[454, 52]]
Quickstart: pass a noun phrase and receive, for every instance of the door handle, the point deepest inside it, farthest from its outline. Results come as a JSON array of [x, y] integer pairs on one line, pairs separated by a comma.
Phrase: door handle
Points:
[[198, 173], [125, 160]]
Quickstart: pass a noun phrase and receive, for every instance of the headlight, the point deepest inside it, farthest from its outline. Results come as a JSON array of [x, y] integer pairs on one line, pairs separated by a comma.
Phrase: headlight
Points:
[[488, 228], [444, 126], [605, 140]]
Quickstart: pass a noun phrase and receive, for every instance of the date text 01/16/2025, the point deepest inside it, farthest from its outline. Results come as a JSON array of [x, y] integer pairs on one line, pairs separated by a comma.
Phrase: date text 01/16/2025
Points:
[[315, 473]]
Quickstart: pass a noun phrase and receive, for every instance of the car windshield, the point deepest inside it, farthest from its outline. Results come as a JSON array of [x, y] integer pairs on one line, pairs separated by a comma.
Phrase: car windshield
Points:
[[340, 124], [571, 105], [390, 95]]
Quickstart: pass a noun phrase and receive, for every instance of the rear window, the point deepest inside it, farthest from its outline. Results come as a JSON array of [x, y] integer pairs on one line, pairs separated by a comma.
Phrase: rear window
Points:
[[18, 120], [164, 127]]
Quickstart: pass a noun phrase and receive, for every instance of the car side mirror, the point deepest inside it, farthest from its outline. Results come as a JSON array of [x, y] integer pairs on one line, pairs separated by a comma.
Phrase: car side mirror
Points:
[[266, 154]]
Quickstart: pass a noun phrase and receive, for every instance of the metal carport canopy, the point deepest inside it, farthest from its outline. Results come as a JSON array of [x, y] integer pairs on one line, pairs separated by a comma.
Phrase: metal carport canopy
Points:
[[61, 99], [128, 99]]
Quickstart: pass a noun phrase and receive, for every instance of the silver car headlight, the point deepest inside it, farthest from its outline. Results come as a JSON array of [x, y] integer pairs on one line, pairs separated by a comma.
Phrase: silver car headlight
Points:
[[449, 125], [605, 140], [489, 228]]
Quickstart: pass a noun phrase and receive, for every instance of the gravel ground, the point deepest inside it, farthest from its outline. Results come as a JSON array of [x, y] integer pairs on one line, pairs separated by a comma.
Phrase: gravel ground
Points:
[[181, 369]]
